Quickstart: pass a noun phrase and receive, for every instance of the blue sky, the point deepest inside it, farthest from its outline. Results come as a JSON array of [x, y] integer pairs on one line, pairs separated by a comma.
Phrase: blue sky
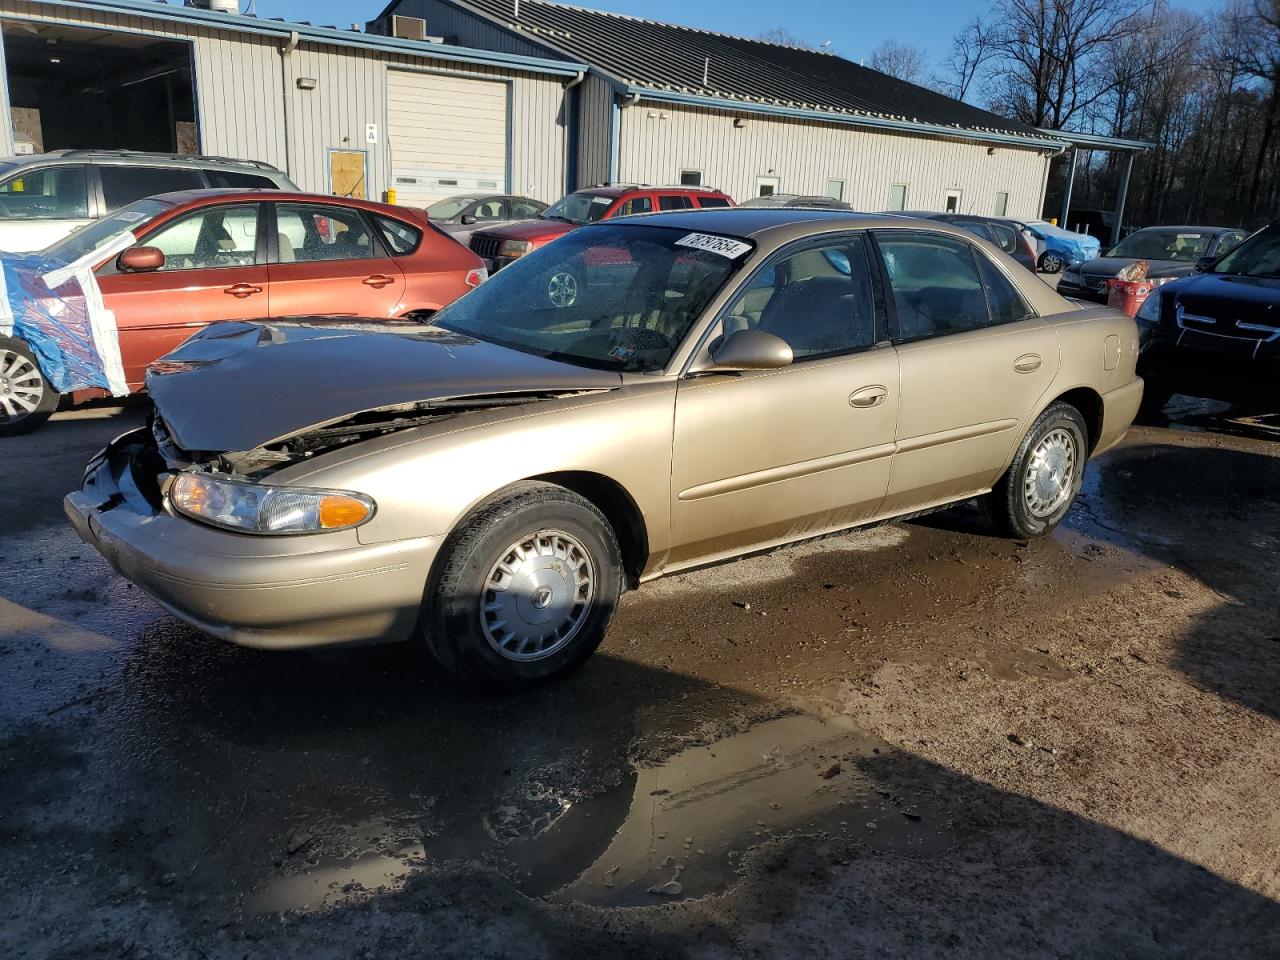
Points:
[[855, 27]]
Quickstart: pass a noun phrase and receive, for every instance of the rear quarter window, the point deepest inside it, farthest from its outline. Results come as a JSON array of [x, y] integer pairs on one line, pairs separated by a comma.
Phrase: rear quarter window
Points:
[[240, 181], [713, 201], [400, 237]]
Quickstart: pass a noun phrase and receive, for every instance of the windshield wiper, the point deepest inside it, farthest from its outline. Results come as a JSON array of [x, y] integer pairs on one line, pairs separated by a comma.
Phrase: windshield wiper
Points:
[[553, 216]]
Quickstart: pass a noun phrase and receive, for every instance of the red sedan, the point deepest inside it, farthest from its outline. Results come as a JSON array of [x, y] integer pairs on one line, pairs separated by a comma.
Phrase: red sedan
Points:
[[208, 255]]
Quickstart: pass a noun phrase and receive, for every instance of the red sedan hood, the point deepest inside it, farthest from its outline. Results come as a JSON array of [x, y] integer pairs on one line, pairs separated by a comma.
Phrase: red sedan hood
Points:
[[538, 231]]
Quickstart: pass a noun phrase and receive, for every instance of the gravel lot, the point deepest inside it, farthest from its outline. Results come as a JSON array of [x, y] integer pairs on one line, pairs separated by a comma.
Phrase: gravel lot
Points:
[[915, 741]]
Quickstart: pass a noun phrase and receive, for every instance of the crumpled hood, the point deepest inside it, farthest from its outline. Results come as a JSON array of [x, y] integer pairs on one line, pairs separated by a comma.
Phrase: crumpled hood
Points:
[[1156, 269], [236, 386]]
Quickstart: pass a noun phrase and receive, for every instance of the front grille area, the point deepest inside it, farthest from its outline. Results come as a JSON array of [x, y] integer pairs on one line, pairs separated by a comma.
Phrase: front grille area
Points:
[[483, 246], [1222, 327]]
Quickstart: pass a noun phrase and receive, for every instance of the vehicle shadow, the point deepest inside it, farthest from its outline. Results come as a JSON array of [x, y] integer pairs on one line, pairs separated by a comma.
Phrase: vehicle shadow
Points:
[[1215, 513], [259, 772]]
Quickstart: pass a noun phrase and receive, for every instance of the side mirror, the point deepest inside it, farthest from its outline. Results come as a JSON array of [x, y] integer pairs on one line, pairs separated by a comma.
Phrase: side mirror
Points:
[[141, 260], [1204, 264], [751, 350], [468, 220]]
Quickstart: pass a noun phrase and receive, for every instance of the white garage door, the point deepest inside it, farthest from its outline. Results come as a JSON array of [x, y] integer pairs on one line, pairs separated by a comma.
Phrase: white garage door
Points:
[[448, 135]]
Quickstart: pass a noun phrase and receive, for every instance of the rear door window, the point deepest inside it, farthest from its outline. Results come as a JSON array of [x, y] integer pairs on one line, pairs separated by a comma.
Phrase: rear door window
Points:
[[525, 209], [52, 193], [307, 232], [935, 284], [674, 202], [121, 186]]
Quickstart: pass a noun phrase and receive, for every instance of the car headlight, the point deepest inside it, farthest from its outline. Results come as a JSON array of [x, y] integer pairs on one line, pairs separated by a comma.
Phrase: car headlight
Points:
[[265, 509], [1149, 312], [514, 248]]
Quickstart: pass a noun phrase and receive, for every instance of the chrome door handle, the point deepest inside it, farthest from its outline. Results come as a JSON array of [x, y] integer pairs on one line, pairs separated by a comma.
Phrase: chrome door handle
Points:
[[1028, 363], [868, 396], [242, 290], [377, 280]]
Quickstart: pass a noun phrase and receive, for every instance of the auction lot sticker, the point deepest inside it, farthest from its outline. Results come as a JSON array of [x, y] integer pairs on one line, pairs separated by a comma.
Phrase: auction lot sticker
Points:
[[725, 246]]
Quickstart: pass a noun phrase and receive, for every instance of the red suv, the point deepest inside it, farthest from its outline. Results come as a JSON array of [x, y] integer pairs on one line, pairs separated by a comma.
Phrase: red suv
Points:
[[207, 255], [502, 245]]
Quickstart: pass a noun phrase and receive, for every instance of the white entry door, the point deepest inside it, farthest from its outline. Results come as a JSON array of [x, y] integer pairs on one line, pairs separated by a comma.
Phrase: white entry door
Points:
[[766, 186]]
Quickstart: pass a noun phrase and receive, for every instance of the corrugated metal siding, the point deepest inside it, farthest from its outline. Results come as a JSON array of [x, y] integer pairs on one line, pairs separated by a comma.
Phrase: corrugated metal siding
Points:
[[446, 20], [595, 100], [241, 85], [659, 140]]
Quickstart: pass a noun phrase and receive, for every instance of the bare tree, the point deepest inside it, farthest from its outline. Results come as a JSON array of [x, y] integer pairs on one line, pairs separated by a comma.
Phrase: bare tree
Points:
[[784, 37], [970, 50], [899, 60], [1045, 53]]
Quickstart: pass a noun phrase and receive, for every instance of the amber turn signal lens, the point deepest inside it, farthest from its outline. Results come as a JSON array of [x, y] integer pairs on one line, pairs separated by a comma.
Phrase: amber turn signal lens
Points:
[[336, 512]]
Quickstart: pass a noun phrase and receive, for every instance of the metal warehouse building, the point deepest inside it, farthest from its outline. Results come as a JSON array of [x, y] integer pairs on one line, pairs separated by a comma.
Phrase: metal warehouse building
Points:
[[664, 104], [342, 111]]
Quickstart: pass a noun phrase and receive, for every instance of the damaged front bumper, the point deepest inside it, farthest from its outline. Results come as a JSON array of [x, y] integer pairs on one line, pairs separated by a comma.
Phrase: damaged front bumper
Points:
[[268, 592]]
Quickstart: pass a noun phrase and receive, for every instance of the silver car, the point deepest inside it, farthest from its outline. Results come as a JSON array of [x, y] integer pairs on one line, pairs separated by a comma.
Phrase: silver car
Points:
[[461, 216]]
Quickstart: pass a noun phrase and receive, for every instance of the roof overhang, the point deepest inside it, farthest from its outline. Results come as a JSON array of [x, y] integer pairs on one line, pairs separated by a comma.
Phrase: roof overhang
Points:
[[1095, 142], [1049, 142], [307, 33]]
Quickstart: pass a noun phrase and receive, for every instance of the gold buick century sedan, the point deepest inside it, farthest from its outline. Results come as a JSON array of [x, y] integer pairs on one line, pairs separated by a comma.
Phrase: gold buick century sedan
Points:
[[642, 396]]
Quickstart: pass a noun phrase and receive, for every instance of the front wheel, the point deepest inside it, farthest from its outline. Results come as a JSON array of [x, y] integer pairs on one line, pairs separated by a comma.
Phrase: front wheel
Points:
[[1041, 484], [1051, 263], [27, 399], [524, 589]]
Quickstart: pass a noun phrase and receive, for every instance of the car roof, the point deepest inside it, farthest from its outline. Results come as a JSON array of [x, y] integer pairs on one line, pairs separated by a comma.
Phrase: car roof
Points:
[[1185, 227], [139, 158], [762, 223], [619, 189], [211, 194]]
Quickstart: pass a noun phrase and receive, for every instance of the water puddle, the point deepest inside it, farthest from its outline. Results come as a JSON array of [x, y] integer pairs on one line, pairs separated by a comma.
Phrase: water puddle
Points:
[[678, 829], [690, 820]]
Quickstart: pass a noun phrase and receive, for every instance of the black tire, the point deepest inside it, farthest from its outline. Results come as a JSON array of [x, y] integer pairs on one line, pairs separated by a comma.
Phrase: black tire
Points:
[[1051, 263], [21, 380], [1008, 503], [453, 621]]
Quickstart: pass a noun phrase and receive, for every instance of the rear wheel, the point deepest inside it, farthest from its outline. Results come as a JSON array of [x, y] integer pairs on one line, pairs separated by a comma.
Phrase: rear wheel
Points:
[[524, 589], [26, 398], [1041, 484], [1051, 263]]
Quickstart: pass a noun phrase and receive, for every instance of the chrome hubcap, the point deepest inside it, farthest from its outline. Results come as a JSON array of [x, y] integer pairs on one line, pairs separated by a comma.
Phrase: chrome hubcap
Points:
[[537, 596], [21, 386], [1051, 472], [562, 289]]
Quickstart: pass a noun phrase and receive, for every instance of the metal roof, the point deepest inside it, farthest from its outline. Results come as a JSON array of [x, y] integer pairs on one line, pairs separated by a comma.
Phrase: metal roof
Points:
[[1099, 142], [683, 64], [309, 33]]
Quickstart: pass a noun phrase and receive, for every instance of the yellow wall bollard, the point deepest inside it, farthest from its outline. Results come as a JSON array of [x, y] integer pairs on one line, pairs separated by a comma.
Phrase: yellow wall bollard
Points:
[[391, 196], [1053, 220]]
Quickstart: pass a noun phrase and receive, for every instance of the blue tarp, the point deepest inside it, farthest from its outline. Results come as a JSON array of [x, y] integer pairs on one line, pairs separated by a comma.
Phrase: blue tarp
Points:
[[57, 309], [1072, 247], [54, 323]]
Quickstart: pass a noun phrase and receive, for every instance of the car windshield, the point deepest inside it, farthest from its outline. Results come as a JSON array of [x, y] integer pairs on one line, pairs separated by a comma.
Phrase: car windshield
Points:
[[1188, 245], [1259, 256], [613, 297], [579, 207], [450, 208], [101, 232]]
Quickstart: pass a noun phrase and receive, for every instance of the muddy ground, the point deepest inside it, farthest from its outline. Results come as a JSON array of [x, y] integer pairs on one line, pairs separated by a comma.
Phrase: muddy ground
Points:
[[916, 741]]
